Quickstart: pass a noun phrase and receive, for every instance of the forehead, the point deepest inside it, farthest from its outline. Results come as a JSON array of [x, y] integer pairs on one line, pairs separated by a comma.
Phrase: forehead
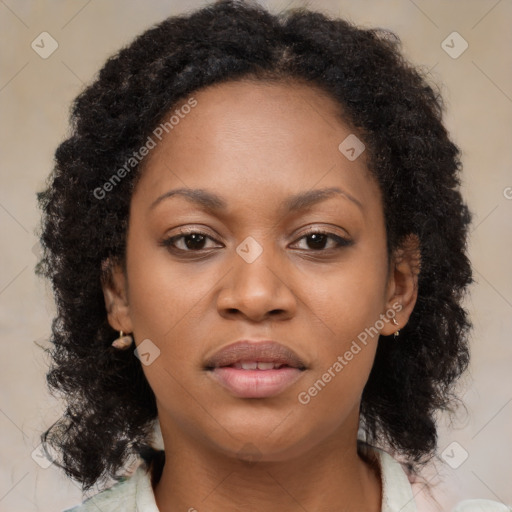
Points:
[[259, 137], [264, 108]]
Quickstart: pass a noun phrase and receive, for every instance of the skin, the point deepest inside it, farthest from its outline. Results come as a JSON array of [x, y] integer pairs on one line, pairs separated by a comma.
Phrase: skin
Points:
[[255, 144]]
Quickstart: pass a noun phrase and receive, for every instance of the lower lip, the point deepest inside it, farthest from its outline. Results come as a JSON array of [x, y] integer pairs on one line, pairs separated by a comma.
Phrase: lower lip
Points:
[[255, 383]]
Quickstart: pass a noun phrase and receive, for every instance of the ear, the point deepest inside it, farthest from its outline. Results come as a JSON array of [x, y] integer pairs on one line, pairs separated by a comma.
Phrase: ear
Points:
[[115, 292], [402, 286]]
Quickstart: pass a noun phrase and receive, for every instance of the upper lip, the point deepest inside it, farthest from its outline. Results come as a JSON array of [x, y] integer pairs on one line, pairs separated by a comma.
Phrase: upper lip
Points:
[[261, 351]]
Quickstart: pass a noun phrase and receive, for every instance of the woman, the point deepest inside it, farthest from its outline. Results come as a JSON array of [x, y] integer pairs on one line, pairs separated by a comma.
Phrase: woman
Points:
[[257, 244]]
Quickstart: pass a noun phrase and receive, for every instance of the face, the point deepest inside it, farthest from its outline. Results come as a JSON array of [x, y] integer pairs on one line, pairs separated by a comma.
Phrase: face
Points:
[[286, 243]]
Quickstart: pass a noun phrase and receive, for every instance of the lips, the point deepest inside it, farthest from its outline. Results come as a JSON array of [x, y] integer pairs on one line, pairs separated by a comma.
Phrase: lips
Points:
[[246, 351], [255, 369]]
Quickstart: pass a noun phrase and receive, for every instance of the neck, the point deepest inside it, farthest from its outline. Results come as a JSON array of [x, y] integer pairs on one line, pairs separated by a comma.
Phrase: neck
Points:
[[330, 476]]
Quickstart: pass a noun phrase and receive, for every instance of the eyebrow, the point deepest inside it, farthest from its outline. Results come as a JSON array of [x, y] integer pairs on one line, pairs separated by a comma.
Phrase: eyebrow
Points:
[[212, 202]]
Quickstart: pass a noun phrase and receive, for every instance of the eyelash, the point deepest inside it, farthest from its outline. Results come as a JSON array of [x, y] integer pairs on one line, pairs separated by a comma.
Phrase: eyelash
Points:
[[169, 242]]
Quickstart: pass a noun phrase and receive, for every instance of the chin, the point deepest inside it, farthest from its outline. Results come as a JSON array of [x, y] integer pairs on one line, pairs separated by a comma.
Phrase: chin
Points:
[[267, 442]]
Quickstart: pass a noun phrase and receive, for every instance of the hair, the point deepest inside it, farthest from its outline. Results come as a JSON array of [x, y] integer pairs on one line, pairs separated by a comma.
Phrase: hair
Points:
[[110, 408]]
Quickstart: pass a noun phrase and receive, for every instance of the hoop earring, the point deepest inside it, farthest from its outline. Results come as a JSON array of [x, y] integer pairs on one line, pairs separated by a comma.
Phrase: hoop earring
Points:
[[123, 342], [397, 332]]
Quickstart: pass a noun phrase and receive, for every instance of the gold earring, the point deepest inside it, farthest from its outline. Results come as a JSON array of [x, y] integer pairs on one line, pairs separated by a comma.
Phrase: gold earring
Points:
[[397, 332], [123, 342]]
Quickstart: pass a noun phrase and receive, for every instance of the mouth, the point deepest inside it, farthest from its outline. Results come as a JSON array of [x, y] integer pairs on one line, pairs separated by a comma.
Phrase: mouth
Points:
[[249, 369], [257, 365]]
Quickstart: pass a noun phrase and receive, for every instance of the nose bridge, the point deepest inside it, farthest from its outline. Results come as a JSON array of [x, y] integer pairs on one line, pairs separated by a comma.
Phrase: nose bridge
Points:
[[255, 262], [256, 285]]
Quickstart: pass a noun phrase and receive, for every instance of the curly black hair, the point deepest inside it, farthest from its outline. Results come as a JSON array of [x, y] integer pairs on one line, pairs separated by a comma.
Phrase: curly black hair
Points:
[[110, 408]]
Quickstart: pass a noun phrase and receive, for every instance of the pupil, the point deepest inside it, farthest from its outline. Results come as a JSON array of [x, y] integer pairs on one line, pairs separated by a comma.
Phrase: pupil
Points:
[[318, 238], [195, 238]]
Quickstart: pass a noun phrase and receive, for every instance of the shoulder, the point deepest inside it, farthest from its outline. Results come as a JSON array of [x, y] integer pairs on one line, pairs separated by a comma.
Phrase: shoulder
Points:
[[127, 495], [481, 506], [400, 491]]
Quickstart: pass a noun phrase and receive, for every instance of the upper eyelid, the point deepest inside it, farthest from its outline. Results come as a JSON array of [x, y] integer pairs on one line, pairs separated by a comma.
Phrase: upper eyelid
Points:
[[202, 231]]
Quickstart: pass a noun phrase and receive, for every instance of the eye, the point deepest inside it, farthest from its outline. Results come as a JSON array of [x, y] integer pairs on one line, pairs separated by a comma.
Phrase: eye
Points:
[[193, 241], [318, 240]]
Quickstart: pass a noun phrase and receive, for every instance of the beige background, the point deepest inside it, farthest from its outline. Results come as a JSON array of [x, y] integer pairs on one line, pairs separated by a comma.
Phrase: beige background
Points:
[[35, 95]]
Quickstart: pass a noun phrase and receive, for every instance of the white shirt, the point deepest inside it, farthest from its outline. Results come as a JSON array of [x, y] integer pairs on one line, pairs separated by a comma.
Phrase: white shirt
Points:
[[135, 493]]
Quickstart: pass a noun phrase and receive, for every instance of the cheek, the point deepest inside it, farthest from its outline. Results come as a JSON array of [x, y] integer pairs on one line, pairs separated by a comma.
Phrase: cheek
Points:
[[351, 296], [170, 304], [344, 355], [349, 305], [164, 297]]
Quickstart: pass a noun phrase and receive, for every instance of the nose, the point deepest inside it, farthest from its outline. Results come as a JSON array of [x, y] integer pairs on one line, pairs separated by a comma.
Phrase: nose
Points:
[[257, 290]]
